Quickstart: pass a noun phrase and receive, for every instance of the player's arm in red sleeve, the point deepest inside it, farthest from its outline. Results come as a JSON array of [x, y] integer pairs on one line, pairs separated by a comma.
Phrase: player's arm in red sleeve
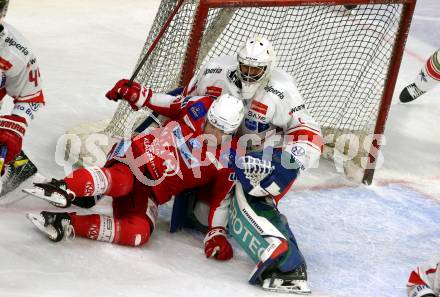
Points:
[[165, 105], [23, 84], [139, 96], [174, 107], [217, 194]]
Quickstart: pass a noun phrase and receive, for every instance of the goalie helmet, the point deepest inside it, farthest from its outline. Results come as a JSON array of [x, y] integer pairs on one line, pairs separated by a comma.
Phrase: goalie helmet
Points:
[[3, 8], [256, 60], [226, 113]]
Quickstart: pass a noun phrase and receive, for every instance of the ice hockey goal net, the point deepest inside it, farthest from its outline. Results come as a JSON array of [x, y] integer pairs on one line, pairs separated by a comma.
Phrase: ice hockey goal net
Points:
[[345, 62]]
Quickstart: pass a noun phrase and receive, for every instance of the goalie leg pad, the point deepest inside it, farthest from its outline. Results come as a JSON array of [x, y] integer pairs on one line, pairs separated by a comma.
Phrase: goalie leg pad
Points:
[[264, 234], [293, 258], [189, 213]]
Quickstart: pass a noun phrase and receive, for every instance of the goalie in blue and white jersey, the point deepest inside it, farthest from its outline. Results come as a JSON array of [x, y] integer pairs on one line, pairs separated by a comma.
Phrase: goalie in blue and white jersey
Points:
[[283, 141]]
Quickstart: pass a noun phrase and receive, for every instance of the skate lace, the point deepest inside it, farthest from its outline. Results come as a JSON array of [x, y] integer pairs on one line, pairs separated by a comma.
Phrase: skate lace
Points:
[[415, 91], [256, 169], [69, 231]]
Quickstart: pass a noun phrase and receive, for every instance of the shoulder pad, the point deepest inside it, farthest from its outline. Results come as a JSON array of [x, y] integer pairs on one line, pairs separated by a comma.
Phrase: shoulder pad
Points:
[[16, 42], [283, 86]]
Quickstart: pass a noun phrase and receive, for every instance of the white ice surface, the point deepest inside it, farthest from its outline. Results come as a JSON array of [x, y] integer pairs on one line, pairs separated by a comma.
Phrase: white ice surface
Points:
[[358, 240]]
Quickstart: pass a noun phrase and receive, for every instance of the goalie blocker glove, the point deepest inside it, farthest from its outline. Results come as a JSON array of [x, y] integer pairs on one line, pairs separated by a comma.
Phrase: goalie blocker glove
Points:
[[135, 94], [217, 245], [12, 130]]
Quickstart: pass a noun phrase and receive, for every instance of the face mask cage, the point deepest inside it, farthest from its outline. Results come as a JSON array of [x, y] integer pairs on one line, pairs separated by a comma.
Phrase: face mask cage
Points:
[[251, 74]]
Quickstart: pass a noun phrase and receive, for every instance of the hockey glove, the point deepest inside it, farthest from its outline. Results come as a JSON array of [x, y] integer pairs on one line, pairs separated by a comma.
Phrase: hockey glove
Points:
[[12, 130], [216, 244], [263, 174], [135, 94]]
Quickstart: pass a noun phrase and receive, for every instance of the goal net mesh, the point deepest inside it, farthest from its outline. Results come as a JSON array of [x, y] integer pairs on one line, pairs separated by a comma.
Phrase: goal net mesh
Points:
[[338, 58]]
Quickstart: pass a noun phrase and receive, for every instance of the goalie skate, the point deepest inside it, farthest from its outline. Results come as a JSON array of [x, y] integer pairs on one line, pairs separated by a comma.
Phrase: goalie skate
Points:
[[55, 225], [55, 192], [294, 282]]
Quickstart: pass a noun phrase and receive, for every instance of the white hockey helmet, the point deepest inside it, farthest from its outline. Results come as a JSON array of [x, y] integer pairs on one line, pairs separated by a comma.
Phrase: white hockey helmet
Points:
[[256, 53], [226, 113], [3, 8]]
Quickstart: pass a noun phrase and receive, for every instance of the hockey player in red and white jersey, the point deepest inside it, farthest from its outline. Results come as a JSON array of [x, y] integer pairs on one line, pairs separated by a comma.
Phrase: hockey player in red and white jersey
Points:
[[275, 110], [287, 134], [427, 78], [148, 171], [20, 79], [424, 281]]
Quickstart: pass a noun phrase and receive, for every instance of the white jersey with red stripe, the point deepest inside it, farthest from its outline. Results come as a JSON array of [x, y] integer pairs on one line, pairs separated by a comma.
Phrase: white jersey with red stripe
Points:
[[276, 113], [424, 281], [20, 75]]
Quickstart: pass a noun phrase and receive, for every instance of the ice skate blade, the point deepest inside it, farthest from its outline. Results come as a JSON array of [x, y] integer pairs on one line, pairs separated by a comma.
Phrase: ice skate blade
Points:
[[299, 287], [55, 199], [38, 221]]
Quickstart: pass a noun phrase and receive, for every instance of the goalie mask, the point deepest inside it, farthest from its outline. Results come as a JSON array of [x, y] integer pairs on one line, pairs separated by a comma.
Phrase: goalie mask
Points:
[[226, 113], [256, 60], [3, 8]]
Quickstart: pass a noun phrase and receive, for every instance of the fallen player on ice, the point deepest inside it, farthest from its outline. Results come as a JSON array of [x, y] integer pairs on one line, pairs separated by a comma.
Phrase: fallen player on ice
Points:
[[148, 171]]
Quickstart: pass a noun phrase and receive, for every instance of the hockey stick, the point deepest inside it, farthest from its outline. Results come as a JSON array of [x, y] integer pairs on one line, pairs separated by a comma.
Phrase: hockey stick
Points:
[[156, 41], [150, 119], [3, 153], [13, 201]]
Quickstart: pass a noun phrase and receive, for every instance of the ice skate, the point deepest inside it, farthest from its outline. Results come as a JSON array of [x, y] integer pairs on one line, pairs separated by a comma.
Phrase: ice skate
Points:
[[55, 192], [55, 225], [294, 282]]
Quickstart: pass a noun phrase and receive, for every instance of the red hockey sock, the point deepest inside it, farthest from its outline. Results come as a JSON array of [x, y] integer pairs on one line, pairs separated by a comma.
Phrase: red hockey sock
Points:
[[86, 226], [131, 231], [115, 181]]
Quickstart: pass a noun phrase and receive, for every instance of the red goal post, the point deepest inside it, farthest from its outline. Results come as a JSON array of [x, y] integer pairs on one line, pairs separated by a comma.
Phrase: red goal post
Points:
[[345, 62]]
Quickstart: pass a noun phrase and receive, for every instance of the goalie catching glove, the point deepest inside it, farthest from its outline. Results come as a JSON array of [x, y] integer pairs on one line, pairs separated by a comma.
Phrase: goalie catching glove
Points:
[[265, 173], [135, 94], [217, 245], [12, 130]]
